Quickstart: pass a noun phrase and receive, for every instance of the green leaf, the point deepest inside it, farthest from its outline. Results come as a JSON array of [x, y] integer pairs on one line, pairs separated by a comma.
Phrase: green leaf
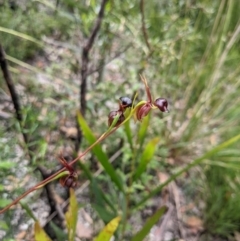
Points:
[[4, 202], [3, 225], [86, 170], [21, 35], [229, 153], [60, 235], [28, 211], [71, 216], [128, 132], [98, 152], [146, 157], [196, 162], [39, 233], [143, 130], [103, 213], [100, 197], [228, 164], [109, 229], [62, 174], [7, 164], [149, 224]]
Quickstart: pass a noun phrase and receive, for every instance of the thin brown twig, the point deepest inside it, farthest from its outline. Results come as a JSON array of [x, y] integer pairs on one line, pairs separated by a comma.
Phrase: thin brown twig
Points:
[[86, 183], [92, 71], [17, 107], [50, 178], [85, 56], [144, 30], [85, 65], [12, 90]]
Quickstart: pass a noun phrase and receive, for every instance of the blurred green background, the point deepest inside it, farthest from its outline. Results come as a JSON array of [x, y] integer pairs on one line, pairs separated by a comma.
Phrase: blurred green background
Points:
[[188, 50]]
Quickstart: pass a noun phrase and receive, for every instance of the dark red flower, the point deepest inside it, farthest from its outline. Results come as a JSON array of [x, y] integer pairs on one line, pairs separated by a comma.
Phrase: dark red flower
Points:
[[143, 110], [161, 104], [71, 179], [125, 102], [113, 115]]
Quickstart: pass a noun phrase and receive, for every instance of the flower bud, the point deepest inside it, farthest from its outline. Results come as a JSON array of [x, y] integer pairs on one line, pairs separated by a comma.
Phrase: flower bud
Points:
[[113, 115], [143, 111], [161, 104], [70, 180], [126, 102]]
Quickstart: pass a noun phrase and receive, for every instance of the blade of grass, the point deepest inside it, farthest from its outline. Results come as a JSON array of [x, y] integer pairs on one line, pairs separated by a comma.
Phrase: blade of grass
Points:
[[71, 216], [139, 236], [143, 130], [188, 167], [86, 170], [104, 215], [108, 231], [146, 157], [99, 196], [21, 35], [28, 211], [39, 233], [128, 132], [60, 234], [99, 153]]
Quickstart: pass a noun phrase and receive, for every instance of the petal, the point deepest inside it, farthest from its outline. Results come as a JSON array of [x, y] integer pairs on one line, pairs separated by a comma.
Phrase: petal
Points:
[[161, 104], [143, 111]]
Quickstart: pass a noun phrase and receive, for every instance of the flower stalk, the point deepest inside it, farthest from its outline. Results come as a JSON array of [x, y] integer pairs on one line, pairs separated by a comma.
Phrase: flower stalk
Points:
[[67, 175]]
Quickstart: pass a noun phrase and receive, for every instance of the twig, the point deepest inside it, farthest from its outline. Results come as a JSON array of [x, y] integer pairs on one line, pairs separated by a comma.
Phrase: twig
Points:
[[86, 183], [145, 35], [17, 107], [85, 56], [51, 178], [176, 199], [12, 90], [84, 69], [92, 71]]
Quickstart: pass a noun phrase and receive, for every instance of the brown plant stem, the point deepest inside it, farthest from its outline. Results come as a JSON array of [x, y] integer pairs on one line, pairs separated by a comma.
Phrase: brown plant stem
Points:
[[12, 90], [101, 66], [50, 178], [17, 107], [144, 30], [85, 65]]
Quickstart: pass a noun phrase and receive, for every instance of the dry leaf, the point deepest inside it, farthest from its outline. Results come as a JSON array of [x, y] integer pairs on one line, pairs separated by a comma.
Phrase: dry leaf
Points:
[[21, 235], [162, 177], [69, 132], [237, 236], [83, 231], [193, 222]]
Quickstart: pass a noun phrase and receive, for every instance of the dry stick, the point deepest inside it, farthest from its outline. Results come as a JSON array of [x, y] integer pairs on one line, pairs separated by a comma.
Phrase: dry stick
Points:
[[17, 107], [12, 90], [84, 69], [145, 35], [92, 71]]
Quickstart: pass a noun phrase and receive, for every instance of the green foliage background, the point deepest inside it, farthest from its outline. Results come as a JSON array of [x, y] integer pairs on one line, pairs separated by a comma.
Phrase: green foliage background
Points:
[[193, 62]]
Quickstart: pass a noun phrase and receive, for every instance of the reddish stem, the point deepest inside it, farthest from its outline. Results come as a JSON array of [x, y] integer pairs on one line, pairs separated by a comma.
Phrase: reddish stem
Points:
[[42, 183], [147, 88]]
